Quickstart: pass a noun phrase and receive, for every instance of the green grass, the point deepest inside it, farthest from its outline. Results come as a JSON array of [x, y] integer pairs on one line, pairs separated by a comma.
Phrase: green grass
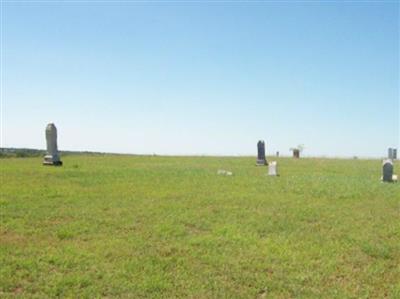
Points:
[[170, 227]]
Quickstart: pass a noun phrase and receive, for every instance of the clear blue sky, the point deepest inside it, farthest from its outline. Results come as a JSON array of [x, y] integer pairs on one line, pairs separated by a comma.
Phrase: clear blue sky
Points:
[[202, 78]]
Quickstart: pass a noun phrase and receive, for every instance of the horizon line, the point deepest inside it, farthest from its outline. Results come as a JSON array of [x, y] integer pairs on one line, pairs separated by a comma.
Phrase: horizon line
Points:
[[348, 157]]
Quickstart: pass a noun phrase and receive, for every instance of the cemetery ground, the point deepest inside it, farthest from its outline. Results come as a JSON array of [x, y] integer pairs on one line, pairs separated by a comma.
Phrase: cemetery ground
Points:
[[170, 227]]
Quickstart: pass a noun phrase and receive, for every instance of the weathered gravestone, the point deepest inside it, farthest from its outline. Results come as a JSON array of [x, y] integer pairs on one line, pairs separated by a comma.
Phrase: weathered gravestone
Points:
[[261, 160], [296, 153], [273, 168], [52, 157], [390, 153], [387, 171]]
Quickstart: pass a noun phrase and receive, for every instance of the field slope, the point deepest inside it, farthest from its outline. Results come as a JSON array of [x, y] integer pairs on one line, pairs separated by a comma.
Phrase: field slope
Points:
[[170, 227]]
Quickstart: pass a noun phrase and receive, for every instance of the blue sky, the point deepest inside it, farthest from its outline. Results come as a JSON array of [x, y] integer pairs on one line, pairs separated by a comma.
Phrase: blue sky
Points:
[[202, 77]]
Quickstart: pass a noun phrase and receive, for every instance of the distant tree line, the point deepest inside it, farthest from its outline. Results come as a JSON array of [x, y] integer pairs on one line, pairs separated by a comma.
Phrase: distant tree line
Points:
[[29, 152]]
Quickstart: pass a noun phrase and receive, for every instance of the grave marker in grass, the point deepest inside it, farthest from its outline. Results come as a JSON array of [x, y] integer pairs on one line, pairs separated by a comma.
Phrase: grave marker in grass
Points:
[[53, 156], [387, 171], [261, 160]]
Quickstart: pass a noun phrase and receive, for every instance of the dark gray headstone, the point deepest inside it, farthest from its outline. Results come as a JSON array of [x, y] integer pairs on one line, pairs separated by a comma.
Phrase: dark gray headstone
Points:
[[296, 153], [392, 153], [387, 170], [261, 160]]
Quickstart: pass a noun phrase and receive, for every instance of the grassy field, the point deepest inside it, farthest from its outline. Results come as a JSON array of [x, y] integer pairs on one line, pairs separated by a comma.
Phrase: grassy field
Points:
[[170, 227]]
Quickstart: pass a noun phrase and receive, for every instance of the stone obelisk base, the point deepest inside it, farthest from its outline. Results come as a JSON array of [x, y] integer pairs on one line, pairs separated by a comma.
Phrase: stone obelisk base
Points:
[[50, 160], [261, 162]]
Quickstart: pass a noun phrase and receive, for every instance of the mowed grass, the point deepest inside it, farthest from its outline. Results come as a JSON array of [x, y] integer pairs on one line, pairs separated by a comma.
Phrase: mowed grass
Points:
[[170, 227]]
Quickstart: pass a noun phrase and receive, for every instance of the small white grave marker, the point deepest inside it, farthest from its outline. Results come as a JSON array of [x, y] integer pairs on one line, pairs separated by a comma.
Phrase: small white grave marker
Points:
[[273, 168], [224, 172]]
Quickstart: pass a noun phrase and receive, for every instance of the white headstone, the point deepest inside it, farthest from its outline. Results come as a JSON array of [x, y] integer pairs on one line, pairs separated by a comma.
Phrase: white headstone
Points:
[[52, 157], [273, 168]]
